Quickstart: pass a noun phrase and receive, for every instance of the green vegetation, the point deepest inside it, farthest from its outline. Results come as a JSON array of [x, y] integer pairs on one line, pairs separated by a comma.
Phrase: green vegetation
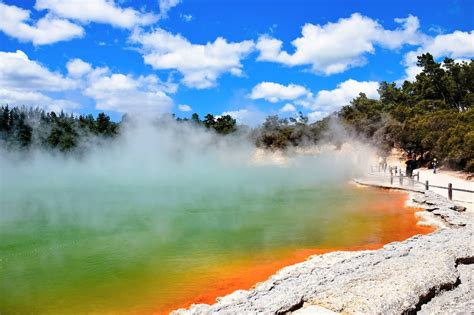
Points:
[[279, 133], [430, 117], [22, 128], [222, 125]]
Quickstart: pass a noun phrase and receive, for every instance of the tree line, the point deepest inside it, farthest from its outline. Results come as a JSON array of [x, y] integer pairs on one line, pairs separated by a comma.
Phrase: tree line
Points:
[[222, 125], [22, 127], [431, 117]]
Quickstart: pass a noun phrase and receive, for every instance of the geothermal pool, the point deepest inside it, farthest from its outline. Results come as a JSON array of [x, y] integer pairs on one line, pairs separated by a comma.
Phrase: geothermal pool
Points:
[[69, 249]]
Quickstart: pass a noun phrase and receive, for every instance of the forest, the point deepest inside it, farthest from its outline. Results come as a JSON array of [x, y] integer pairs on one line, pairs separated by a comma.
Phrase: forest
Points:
[[431, 117]]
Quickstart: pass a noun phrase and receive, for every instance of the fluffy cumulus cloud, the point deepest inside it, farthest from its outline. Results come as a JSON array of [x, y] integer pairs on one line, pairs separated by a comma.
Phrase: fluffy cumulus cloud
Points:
[[36, 99], [336, 47], [247, 116], [120, 92], [331, 100], [25, 82], [15, 22], [98, 11], [317, 115], [184, 108], [288, 108], [456, 45], [321, 104], [18, 72], [77, 68], [56, 25], [200, 65], [275, 92], [127, 94], [327, 101]]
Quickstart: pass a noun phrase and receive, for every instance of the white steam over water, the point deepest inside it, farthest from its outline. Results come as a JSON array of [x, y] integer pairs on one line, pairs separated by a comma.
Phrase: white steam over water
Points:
[[175, 163]]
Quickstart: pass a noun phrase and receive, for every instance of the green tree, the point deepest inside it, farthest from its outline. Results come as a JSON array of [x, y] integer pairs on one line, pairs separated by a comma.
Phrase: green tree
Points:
[[195, 118], [209, 121], [225, 124]]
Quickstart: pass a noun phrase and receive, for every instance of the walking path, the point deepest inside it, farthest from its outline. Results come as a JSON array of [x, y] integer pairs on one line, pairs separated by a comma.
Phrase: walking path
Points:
[[443, 178]]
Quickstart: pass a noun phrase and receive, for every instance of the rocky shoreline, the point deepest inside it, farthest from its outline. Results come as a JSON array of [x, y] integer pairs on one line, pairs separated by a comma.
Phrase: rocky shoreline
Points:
[[426, 274]]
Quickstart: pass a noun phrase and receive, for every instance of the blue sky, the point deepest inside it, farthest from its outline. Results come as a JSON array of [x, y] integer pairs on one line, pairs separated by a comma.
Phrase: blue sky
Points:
[[246, 58]]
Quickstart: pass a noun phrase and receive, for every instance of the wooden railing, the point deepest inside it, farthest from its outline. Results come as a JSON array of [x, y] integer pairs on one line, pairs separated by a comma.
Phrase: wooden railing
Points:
[[415, 178]]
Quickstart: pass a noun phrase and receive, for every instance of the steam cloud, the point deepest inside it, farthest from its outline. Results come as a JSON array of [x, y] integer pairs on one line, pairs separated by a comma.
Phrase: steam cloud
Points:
[[167, 163]]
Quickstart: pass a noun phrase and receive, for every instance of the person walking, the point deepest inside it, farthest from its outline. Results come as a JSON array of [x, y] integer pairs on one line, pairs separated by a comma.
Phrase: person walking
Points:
[[410, 166], [434, 164], [380, 163]]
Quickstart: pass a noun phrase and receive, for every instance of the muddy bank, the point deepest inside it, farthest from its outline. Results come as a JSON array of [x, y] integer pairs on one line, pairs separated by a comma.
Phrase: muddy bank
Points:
[[420, 273]]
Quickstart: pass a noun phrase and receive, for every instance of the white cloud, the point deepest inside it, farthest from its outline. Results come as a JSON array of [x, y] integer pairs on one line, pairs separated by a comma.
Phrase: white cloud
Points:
[[237, 114], [125, 94], [77, 68], [275, 92], [184, 108], [17, 71], [200, 65], [336, 47], [35, 99], [24, 81], [456, 45], [288, 108], [247, 116], [317, 115], [328, 101], [166, 5], [322, 103], [14, 22], [186, 17], [99, 11]]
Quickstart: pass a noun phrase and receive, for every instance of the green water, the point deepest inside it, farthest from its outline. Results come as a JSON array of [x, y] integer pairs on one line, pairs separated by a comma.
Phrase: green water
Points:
[[130, 249]]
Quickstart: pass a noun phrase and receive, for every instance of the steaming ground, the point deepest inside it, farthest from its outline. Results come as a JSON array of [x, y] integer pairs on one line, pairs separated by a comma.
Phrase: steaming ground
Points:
[[157, 203]]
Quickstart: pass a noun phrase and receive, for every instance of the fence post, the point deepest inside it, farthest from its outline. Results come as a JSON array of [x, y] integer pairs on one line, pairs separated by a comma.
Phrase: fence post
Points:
[[427, 185], [391, 178], [418, 176], [400, 179], [450, 191]]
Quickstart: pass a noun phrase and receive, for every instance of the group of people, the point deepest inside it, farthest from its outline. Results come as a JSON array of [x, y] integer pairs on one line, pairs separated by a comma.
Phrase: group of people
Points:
[[410, 165]]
